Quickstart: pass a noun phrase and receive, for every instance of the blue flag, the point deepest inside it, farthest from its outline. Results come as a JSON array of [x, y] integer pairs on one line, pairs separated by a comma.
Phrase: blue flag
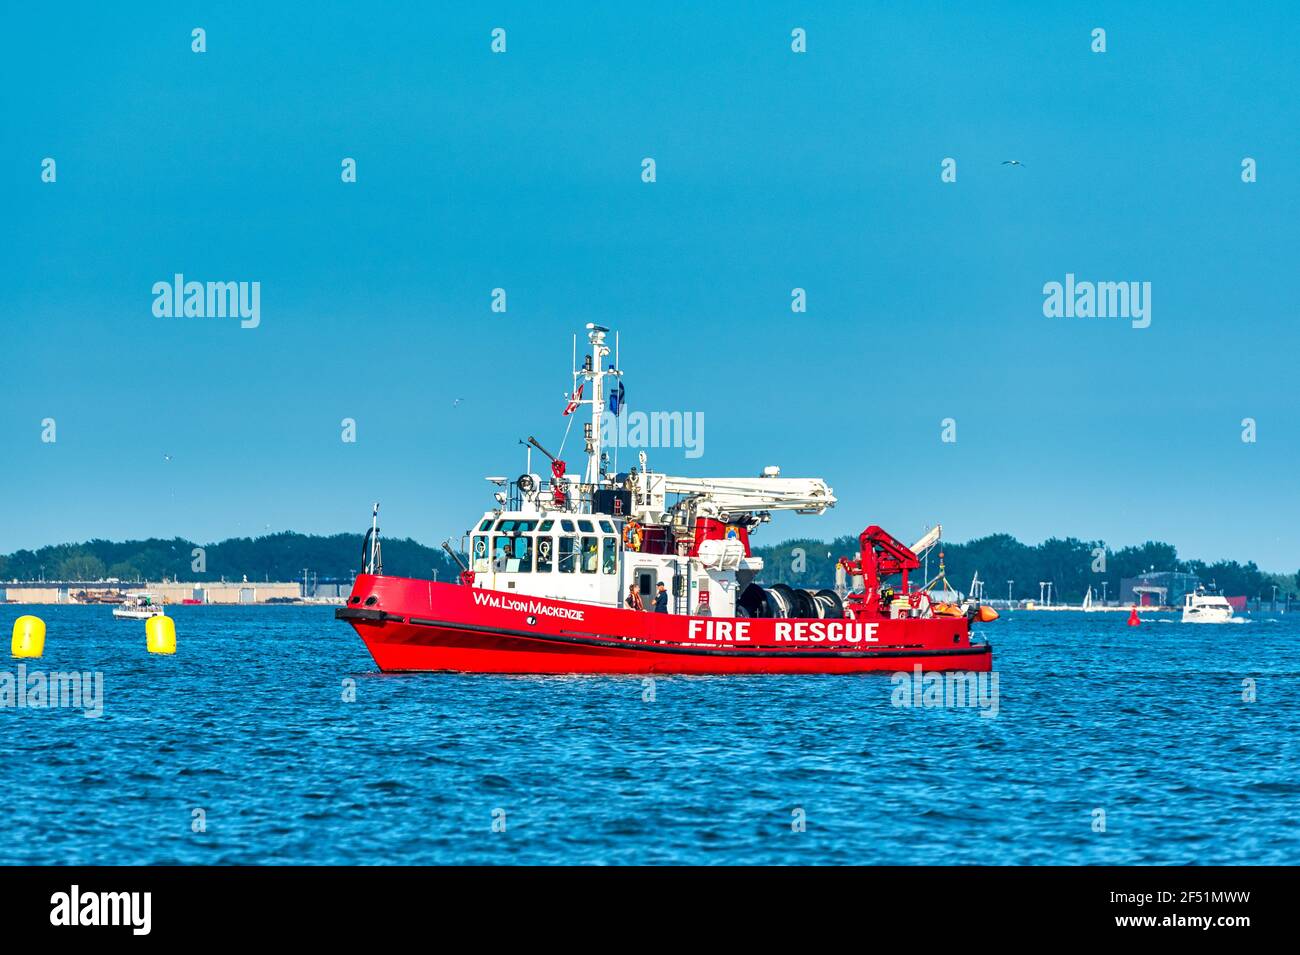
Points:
[[616, 399]]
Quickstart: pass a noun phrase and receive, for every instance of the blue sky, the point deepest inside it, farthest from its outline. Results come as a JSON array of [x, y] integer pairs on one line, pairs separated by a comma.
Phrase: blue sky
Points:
[[775, 171]]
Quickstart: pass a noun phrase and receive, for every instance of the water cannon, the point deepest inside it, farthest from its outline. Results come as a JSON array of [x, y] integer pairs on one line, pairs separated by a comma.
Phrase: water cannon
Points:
[[538, 445], [557, 472], [466, 575]]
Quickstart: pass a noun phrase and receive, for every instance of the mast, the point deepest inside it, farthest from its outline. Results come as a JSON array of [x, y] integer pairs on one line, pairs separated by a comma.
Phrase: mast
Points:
[[596, 373]]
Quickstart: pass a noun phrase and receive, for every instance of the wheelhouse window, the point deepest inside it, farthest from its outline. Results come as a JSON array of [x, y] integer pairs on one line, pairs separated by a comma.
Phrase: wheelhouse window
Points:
[[607, 527], [512, 555], [512, 546], [500, 546], [486, 525], [545, 553], [568, 554], [609, 554], [590, 553], [523, 554], [586, 526], [511, 526], [479, 552]]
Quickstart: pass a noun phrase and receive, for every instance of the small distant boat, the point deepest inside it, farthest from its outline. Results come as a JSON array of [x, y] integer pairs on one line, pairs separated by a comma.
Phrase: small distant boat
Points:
[[97, 597], [1087, 601], [1200, 607], [142, 608]]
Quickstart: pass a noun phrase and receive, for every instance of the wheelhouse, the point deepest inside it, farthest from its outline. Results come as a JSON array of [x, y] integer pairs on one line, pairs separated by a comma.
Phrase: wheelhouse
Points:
[[561, 544], [588, 557]]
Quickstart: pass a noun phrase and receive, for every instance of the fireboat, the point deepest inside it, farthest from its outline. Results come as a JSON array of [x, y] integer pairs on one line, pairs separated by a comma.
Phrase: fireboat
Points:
[[562, 576]]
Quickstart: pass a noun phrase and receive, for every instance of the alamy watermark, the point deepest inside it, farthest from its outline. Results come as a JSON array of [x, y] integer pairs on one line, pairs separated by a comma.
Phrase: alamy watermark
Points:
[[181, 299], [38, 690], [1071, 299], [655, 429], [955, 690], [76, 907]]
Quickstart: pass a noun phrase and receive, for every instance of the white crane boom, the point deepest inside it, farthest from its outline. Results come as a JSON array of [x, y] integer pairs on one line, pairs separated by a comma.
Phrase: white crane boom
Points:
[[729, 497], [929, 540], [804, 495]]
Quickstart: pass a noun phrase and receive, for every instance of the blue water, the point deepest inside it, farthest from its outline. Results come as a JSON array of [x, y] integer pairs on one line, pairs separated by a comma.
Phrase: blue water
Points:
[[247, 723]]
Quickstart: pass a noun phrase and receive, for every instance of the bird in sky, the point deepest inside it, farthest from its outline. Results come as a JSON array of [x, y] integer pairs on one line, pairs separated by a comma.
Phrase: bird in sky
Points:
[[457, 402], [166, 456], [1012, 162]]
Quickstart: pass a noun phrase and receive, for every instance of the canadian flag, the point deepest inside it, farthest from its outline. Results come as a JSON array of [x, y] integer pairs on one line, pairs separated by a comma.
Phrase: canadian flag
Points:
[[572, 406]]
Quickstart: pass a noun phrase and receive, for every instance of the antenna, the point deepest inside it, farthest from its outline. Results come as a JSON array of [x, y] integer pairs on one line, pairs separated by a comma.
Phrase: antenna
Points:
[[619, 368], [373, 561], [528, 459]]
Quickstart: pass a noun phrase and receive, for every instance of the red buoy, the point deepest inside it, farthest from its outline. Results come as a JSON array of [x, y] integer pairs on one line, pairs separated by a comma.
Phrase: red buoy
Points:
[[1133, 619]]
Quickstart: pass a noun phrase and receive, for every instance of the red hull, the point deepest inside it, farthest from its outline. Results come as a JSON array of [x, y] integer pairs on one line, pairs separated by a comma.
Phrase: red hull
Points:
[[421, 625]]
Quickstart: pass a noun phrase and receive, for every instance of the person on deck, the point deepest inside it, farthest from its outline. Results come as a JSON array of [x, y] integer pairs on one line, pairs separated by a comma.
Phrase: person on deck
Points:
[[634, 601], [661, 599]]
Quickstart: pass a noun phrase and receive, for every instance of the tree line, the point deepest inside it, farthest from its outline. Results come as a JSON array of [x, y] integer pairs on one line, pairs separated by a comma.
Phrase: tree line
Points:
[[1072, 565], [282, 556]]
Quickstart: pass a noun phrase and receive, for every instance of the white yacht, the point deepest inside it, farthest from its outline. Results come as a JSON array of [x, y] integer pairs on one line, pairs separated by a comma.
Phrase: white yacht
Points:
[[142, 607], [1200, 607]]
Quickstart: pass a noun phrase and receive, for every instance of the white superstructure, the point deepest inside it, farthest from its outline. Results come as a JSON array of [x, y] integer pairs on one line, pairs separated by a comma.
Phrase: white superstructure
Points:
[[593, 538], [1200, 607]]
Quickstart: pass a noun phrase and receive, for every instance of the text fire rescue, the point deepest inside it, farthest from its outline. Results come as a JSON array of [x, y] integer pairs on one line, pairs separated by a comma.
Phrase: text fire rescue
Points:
[[816, 631]]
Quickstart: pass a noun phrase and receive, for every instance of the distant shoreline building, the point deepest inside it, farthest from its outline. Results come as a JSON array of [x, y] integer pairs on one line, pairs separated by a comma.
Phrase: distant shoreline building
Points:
[[1160, 588], [171, 592]]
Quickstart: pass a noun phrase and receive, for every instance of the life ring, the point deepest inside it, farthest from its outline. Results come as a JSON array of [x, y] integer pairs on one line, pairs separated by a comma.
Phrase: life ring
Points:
[[632, 536]]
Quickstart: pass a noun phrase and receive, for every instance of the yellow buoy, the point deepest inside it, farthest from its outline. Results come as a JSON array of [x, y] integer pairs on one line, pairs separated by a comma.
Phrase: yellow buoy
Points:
[[160, 634], [29, 636]]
